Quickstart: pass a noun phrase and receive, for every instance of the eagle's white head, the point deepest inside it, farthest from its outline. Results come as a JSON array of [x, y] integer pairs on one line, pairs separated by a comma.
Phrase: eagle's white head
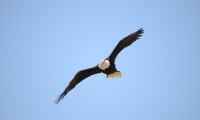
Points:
[[104, 64]]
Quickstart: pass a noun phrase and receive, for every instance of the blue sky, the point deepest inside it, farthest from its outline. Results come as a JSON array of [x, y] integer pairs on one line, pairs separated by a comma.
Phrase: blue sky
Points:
[[44, 43]]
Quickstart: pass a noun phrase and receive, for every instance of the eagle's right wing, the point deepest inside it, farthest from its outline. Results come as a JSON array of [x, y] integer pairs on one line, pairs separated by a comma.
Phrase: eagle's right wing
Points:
[[81, 75]]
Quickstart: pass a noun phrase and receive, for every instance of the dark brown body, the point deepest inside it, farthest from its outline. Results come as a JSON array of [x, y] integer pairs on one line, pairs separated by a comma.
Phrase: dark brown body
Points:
[[111, 69]]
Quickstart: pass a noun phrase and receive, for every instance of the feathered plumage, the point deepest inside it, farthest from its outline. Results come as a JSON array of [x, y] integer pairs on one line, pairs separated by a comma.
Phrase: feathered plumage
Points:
[[108, 64]]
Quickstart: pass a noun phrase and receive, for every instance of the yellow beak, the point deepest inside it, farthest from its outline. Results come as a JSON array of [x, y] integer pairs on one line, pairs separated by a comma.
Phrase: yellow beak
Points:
[[102, 62]]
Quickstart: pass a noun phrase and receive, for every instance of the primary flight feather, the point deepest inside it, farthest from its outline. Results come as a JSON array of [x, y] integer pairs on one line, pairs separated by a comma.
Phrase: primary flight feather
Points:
[[106, 66]]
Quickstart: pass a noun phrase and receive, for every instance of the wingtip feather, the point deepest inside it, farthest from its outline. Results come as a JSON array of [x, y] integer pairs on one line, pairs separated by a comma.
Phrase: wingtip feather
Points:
[[60, 97], [141, 30]]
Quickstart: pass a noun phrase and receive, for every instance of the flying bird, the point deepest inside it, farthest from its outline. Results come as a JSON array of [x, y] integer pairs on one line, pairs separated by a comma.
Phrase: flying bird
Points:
[[106, 66]]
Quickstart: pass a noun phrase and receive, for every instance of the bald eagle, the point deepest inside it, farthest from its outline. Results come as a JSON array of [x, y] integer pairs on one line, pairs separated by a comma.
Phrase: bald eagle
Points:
[[106, 66]]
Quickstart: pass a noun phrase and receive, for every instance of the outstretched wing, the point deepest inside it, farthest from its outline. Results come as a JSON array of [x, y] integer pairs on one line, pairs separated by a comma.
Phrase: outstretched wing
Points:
[[125, 42], [81, 75]]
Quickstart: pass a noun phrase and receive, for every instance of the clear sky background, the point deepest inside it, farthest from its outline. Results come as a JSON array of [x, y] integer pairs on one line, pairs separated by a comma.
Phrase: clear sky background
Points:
[[43, 43]]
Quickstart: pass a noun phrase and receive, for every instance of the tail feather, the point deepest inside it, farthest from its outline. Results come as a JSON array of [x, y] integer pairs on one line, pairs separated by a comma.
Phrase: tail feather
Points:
[[116, 74]]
